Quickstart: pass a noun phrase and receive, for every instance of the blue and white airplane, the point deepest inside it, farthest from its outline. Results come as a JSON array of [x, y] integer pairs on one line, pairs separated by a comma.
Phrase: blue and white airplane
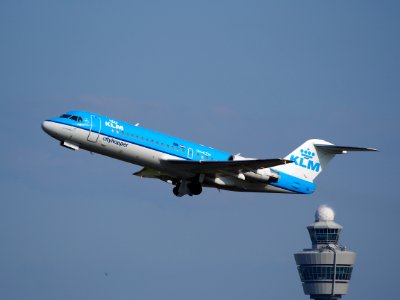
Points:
[[191, 166]]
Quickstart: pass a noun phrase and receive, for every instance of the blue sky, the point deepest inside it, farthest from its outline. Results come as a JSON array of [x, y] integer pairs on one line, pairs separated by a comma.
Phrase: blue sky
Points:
[[256, 77]]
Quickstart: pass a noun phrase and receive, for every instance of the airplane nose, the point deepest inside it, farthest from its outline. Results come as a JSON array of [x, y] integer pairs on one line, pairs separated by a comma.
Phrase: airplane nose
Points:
[[46, 127]]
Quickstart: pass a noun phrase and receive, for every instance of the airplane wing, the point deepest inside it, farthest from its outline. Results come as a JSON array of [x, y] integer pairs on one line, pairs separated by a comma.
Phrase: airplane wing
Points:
[[341, 149], [235, 166], [152, 173]]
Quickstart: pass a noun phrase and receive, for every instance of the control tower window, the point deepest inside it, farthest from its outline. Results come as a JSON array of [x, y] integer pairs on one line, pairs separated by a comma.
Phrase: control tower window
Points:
[[320, 272], [324, 235]]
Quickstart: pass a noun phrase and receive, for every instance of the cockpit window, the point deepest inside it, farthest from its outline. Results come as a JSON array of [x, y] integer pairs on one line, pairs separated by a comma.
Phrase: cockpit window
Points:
[[65, 116], [76, 118]]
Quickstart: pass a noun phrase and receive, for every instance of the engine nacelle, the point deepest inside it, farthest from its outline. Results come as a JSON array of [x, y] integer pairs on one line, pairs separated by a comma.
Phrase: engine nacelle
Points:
[[224, 180], [265, 175], [267, 172]]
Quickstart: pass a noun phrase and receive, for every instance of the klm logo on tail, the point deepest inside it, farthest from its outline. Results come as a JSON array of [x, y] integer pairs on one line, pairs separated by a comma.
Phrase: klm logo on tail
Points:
[[305, 160]]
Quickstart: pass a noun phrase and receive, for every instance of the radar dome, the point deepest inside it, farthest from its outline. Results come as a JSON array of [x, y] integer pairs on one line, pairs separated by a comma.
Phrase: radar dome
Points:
[[324, 213]]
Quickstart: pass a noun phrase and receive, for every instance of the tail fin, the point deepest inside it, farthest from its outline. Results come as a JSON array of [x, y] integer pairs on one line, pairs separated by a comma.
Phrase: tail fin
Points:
[[312, 157]]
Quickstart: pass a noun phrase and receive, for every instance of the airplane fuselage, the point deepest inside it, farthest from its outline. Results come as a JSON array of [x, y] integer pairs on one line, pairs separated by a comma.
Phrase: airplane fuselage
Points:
[[153, 150]]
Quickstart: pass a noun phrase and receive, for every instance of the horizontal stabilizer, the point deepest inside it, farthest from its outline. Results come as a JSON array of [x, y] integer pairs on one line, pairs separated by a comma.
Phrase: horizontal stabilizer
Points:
[[236, 166], [341, 149]]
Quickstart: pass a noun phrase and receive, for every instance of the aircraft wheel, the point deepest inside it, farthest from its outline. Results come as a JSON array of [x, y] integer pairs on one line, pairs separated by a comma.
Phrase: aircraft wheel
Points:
[[196, 189]]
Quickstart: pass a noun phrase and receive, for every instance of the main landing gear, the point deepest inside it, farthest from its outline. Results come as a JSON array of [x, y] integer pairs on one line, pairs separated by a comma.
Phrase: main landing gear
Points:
[[187, 188]]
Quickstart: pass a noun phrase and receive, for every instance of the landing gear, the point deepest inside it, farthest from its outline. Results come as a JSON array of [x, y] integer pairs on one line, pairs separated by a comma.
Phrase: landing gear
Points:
[[187, 188], [195, 188], [175, 190]]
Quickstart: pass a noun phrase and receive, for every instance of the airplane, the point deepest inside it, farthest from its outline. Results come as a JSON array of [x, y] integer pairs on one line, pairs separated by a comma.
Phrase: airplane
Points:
[[190, 166]]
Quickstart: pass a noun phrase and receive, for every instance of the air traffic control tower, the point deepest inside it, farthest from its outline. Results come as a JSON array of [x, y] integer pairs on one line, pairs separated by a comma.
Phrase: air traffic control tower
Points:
[[325, 269]]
